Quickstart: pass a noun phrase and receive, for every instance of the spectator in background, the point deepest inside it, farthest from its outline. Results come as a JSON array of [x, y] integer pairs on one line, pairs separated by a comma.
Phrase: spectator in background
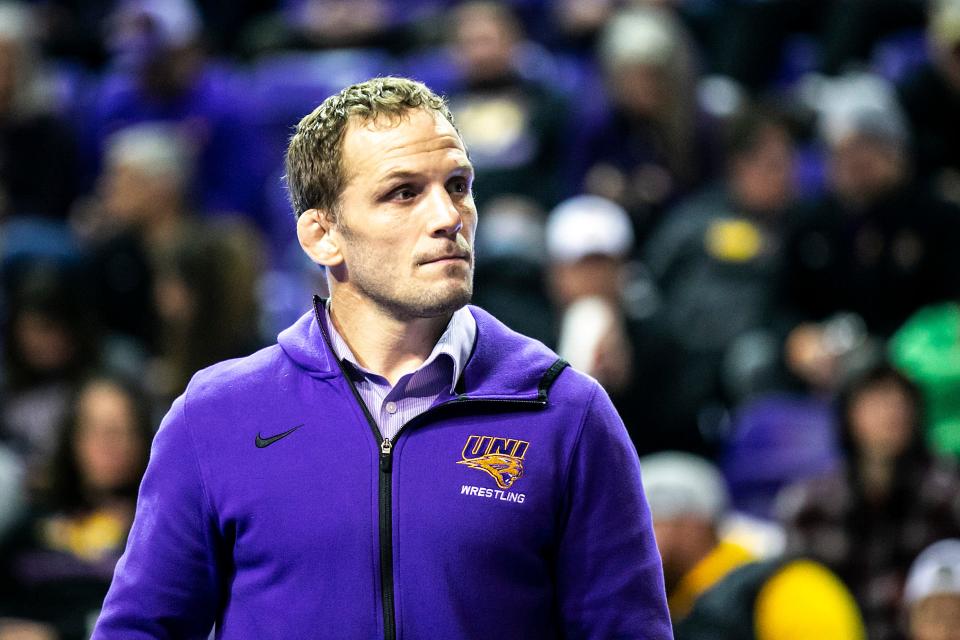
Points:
[[932, 596], [38, 170], [716, 257], [57, 565], [717, 588], [927, 350], [787, 432], [879, 243], [513, 125], [751, 35], [651, 146], [688, 501], [178, 290], [141, 211], [931, 98], [334, 23], [73, 29], [609, 332], [163, 75], [227, 20], [870, 518], [50, 341], [578, 22], [205, 293]]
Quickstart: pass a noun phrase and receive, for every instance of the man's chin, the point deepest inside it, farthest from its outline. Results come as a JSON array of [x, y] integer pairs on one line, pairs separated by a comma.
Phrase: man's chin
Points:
[[447, 303], [436, 301]]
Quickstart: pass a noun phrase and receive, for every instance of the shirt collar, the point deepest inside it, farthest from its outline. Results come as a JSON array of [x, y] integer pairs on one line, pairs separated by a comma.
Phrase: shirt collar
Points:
[[456, 342]]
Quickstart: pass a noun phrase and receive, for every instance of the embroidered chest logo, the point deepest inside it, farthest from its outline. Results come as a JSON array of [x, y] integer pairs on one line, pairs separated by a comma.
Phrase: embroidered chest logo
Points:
[[502, 458]]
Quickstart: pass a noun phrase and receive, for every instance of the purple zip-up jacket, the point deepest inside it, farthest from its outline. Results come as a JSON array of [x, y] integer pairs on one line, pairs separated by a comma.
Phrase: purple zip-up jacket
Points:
[[510, 508]]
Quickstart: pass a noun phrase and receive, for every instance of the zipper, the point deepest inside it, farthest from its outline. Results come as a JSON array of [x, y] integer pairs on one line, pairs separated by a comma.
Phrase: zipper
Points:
[[386, 539], [386, 496]]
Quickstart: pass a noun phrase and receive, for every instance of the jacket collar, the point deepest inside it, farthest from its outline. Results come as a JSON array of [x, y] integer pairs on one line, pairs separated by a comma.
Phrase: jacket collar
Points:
[[456, 343], [503, 365]]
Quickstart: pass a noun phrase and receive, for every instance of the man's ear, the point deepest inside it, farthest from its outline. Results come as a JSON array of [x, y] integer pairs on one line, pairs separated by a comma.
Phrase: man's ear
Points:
[[313, 231]]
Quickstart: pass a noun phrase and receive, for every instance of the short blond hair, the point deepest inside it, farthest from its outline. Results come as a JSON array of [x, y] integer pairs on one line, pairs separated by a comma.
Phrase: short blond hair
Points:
[[314, 167]]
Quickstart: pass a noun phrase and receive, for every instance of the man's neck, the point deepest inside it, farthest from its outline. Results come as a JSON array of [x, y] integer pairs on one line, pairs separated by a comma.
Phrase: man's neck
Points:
[[382, 343]]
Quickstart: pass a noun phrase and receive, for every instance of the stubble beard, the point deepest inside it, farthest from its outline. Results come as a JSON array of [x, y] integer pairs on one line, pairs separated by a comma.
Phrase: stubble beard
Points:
[[409, 300]]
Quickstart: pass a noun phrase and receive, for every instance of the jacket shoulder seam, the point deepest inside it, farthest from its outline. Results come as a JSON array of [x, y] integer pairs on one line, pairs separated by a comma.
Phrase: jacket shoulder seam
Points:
[[576, 445], [194, 450]]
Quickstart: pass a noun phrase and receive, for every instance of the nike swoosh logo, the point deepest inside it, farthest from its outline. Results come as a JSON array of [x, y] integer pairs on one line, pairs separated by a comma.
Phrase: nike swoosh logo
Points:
[[266, 442]]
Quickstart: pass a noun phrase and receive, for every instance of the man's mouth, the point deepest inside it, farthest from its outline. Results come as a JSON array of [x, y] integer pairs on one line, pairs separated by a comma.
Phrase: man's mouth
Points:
[[450, 257]]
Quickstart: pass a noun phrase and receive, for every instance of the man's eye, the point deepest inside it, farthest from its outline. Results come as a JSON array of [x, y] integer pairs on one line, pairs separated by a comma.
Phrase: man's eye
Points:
[[404, 193], [459, 185]]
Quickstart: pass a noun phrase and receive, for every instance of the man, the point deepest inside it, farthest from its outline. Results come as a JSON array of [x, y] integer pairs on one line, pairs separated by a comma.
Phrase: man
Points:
[[717, 587], [400, 465], [879, 242], [932, 594], [142, 212], [609, 325]]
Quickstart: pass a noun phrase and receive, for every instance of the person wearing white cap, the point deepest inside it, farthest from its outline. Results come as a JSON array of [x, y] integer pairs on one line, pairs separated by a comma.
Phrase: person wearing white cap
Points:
[[716, 588], [688, 499], [932, 594], [589, 240]]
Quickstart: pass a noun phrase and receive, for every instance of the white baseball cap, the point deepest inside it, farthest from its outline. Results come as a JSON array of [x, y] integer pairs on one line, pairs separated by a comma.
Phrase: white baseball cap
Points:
[[935, 571], [679, 484], [588, 225]]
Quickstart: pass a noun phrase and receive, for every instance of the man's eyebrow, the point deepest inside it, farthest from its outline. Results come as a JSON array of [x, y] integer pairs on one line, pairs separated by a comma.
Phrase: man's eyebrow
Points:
[[398, 174], [403, 174]]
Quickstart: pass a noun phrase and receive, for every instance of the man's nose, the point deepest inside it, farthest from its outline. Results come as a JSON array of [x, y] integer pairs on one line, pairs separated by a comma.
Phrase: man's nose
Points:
[[445, 217]]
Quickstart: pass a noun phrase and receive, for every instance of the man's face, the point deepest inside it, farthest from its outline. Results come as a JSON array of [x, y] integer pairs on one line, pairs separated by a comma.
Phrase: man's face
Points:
[[642, 90], [683, 540], [936, 617], [131, 196], [485, 45], [406, 219], [107, 444], [762, 178], [593, 275], [862, 169], [882, 419]]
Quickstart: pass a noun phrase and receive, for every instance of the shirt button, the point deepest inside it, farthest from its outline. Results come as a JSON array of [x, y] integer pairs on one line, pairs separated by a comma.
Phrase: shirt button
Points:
[[391, 407]]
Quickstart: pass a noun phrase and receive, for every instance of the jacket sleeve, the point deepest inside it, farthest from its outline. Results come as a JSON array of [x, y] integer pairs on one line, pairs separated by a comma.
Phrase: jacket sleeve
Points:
[[609, 574], [165, 584]]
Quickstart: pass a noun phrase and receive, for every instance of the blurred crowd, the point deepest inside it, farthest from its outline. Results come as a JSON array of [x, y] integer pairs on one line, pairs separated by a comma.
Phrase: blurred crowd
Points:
[[740, 216]]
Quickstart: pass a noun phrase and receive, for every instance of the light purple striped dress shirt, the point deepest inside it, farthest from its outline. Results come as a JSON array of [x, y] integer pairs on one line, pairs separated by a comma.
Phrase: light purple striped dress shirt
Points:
[[392, 407]]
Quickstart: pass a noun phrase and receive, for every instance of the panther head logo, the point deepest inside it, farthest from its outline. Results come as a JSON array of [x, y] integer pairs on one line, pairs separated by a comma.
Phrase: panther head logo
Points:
[[505, 469]]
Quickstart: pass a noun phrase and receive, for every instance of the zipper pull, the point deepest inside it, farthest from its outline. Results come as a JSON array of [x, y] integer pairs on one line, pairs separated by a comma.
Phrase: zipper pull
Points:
[[386, 447]]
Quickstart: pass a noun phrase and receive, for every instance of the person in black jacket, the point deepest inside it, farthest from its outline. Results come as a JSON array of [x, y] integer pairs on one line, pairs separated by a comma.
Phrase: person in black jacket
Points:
[[931, 99], [880, 243]]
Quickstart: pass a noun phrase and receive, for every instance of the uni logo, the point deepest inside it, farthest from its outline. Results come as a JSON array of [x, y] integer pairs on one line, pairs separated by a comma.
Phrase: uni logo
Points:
[[502, 458]]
